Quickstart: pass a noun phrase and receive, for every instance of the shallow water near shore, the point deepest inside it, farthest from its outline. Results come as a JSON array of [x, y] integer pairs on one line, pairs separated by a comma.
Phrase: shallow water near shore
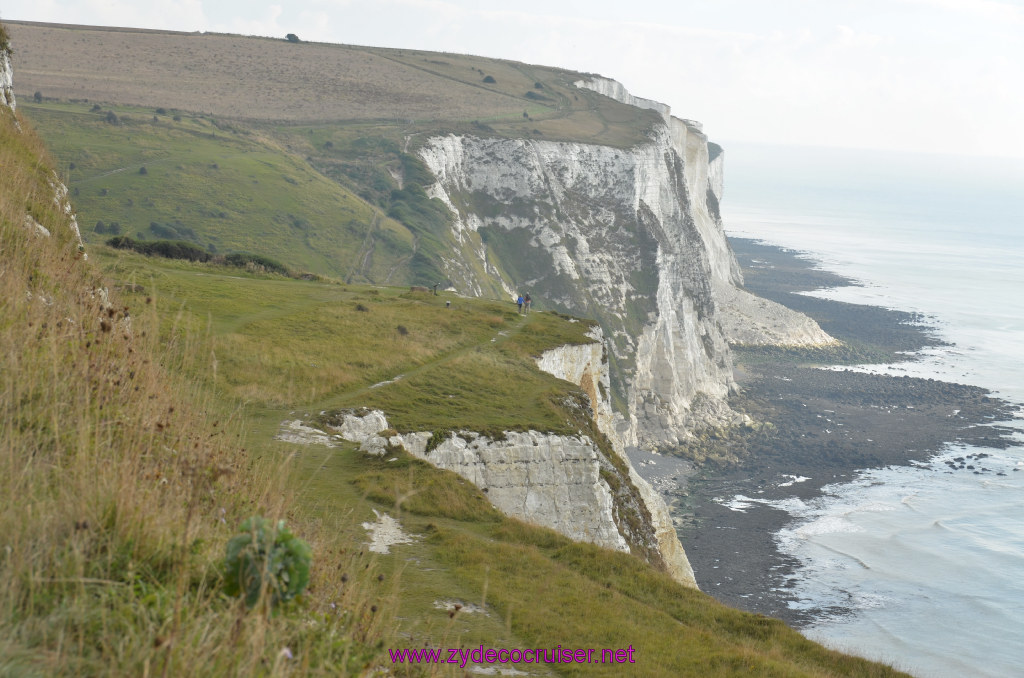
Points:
[[920, 566]]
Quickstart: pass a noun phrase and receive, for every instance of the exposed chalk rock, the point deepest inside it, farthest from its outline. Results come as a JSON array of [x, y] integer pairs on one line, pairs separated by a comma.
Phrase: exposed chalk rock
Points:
[[386, 532], [6, 81], [550, 480], [297, 432], [629, 236], [587, 366]]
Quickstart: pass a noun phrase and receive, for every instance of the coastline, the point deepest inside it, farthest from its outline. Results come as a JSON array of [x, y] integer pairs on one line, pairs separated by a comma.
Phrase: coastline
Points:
[[829, 424]]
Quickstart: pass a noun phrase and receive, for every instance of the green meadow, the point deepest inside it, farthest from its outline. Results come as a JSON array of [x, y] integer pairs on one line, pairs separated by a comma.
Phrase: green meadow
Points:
[[225, 188]]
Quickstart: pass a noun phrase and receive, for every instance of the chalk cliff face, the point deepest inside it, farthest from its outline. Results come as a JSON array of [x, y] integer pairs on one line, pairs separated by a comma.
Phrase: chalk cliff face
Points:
[[629, 236], [6, 80], [606, 233], [557, 481], [586, 365]]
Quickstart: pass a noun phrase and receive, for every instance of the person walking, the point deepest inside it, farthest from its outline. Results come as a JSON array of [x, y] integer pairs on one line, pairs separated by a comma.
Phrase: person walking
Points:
[[527, 301], [519, 301]]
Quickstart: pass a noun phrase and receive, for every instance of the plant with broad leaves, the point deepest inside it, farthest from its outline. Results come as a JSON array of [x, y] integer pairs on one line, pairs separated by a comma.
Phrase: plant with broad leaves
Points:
[[266, 558]]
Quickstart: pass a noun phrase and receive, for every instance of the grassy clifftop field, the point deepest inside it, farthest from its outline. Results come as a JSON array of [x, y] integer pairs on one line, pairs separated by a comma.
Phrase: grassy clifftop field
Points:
[[138, 407]]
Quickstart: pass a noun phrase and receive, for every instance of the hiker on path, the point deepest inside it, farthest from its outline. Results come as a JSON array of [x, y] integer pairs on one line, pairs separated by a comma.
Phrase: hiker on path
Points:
[[520, 302], [527, 301]]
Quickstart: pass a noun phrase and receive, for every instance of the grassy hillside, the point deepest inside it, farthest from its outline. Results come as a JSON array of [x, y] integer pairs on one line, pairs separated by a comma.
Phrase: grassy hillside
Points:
[[184, 177], [123, 475], [296, 348], [137, 433], [263, 79]]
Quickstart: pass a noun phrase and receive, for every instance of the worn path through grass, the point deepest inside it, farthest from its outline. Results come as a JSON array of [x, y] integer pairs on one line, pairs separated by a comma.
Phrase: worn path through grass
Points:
[[500, 337]]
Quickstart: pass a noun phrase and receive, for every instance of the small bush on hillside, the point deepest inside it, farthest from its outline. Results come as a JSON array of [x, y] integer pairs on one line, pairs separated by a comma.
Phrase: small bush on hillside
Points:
[[96, 108], [113, 228], [170, 249], [489, 79], [256, 261], [5, 42], [38, 96], [291, 37], [266, 559], [112, 118]]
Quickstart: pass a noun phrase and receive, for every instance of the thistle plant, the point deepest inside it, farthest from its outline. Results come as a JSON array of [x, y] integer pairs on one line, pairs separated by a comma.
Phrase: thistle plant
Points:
[[266, 558]]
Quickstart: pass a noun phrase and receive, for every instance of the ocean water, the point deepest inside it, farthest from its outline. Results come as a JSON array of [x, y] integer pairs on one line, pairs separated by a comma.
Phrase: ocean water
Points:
[[924, 566]]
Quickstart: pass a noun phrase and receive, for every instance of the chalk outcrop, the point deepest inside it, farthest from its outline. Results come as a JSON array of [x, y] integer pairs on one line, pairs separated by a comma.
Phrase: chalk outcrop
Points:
[[546, 479], [6, 80], [586, 365]]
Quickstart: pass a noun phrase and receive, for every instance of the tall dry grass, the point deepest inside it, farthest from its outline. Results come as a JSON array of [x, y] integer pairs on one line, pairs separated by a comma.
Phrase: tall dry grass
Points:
[[120, 480]]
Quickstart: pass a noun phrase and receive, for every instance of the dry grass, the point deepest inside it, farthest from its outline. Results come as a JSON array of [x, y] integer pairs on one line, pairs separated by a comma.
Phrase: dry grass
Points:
[[263, 79], [121, 481], [236, 77]]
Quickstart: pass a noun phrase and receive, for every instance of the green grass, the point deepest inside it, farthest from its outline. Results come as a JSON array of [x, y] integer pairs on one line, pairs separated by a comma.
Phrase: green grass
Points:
[[125, 474], [539, 588], [283, 343], [222, 186]]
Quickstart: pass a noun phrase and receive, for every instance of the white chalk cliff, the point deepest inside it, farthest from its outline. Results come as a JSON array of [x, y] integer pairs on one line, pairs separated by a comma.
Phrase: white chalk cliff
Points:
[[629, 236], [6, 80], [586, 365], [556, 481]]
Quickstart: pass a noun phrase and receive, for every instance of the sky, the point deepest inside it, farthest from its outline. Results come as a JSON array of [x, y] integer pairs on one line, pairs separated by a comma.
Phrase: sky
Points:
[[934, 76]]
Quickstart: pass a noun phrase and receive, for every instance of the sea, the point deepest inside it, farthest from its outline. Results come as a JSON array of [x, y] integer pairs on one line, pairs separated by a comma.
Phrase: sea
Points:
[[921, 567]]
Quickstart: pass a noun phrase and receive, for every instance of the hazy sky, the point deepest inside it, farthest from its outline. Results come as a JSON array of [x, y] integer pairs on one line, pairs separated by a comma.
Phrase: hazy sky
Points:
[[943, 76]]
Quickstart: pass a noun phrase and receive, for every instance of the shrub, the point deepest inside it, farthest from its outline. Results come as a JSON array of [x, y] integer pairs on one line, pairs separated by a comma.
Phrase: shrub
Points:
[[402, 330], [38, 96], [258, 261], [161, 111], [291, 37], [112, 118], [489, 79], [170, 249], [266, 559], [143, 171]]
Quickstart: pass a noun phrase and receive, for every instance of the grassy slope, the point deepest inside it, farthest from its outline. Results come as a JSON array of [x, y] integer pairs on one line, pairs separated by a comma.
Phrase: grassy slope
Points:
[[122, 479], [224, 187], [539, 589]]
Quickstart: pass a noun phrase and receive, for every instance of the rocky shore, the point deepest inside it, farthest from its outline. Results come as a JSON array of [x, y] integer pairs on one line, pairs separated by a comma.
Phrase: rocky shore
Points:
[[826, 424]]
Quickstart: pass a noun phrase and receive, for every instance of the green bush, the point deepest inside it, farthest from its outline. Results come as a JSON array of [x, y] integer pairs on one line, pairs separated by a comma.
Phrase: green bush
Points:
[[170, 249], [266, 558], [244, 259]]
